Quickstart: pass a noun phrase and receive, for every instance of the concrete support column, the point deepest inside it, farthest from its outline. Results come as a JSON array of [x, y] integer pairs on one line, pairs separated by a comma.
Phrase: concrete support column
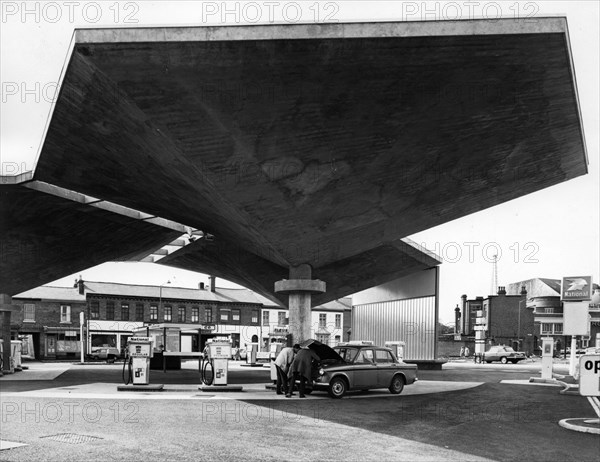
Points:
[[6, 308], [300, 288]]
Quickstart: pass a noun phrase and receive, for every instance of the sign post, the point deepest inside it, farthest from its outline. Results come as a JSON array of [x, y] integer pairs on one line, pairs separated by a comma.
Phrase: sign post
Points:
[[81, 321], [576, 291]]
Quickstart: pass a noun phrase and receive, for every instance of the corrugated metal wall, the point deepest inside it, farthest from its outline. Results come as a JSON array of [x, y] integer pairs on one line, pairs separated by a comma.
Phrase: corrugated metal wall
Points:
[[411, 321]]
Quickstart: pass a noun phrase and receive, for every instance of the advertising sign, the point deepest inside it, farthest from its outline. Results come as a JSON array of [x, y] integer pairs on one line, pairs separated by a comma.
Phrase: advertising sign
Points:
[[576, 318], [576, 288], [589, 375]]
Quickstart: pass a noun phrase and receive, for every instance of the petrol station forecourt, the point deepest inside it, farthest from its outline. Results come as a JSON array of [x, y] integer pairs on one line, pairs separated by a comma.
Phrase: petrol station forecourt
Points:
[[453, 407], [300, 226]]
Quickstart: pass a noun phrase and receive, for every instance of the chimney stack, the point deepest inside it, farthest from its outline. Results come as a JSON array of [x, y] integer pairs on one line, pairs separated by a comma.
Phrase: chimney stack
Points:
[[80, 286], [501, 290], [213, 283], [523, 291], [201, 286]]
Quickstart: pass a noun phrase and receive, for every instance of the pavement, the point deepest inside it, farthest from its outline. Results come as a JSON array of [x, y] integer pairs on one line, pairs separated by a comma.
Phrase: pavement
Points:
[[55, 411]]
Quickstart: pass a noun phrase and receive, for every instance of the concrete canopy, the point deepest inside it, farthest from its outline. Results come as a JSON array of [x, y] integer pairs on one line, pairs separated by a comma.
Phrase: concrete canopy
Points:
[[315, 144]]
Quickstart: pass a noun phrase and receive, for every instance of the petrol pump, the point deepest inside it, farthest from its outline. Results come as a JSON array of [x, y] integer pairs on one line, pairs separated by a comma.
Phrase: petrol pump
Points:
[[547, 357], [139, 351], [217, 356]]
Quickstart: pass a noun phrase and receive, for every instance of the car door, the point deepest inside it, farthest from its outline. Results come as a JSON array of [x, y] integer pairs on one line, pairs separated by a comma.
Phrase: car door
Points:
[[365, 369], [386, 367]]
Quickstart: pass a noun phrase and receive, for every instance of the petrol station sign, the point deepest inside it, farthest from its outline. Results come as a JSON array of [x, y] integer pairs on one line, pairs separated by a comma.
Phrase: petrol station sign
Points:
[[576, 288], [589, 375]]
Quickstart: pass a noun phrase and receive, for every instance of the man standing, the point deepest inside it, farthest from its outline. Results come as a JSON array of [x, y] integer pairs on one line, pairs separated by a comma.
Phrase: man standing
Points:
[[282, 365], [302, 369]]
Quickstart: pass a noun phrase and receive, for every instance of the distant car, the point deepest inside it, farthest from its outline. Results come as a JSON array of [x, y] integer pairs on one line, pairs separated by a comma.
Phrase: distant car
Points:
[[359, 367], [504, 354], [108, 353]]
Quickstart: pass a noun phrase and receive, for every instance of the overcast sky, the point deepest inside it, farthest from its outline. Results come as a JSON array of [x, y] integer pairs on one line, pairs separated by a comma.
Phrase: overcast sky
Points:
[[551, 233]]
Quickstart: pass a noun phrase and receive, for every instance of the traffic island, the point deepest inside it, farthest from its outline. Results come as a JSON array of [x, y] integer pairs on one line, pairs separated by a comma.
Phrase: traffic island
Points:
[[149, 387], [224, 388], [582, 425]]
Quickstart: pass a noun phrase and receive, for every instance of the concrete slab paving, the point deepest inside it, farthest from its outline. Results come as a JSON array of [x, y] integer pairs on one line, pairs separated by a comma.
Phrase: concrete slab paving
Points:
[[251, 391]]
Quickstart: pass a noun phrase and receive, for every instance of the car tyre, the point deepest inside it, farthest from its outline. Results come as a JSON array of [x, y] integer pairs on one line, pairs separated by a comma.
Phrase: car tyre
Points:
[[397, 385], [337, 388], [503, 360]]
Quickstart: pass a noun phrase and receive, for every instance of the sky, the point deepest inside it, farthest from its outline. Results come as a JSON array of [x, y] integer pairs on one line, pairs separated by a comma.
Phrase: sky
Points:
[[552, 233]]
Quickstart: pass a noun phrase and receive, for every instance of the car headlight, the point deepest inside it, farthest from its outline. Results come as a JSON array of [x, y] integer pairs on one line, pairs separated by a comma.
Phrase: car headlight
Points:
[[321, 371]]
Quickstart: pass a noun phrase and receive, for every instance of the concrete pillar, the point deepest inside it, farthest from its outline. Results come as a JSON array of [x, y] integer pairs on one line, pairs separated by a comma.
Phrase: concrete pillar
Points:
[[6, 308], [300, 288]]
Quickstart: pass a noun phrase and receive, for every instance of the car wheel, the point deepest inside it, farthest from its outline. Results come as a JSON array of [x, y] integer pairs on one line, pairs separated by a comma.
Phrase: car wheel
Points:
[[478, 360], [503, 360], [397, 385], [337, 388]]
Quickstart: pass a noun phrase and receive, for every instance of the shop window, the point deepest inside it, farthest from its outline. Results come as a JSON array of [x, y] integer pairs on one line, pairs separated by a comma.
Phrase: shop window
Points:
[[195, 314], [235, 316], [95, 309], [168, 316], [254, 316], [139, 312], [110, 311], [65, 313], [338, 321], [558, 329], [29, 312], [181, 314], [153, 313], [125, 312], [265, 317], [546, 328]]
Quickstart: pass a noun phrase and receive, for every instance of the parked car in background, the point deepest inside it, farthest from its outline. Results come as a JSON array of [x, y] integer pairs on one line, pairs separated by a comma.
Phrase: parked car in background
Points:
[[107, 353], [504, 354], [359, 367]]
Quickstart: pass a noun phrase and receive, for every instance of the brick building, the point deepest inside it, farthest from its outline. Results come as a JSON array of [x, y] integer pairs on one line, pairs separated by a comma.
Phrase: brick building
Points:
[[506, 320], [49, 318]]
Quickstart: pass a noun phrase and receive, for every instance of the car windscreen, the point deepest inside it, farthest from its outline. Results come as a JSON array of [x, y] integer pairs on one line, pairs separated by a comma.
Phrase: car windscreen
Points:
[[347, 354]]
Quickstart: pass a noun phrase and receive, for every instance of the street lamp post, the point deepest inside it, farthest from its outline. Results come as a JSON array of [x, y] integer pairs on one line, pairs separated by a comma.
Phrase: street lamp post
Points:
[[160, 307]]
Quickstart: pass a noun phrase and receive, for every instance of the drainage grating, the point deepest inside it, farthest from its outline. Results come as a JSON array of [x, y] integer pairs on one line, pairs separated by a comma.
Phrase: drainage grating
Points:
[[72, 438]]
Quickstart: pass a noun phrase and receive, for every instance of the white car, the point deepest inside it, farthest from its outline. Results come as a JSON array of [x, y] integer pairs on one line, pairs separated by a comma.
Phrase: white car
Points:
[[108, 353]]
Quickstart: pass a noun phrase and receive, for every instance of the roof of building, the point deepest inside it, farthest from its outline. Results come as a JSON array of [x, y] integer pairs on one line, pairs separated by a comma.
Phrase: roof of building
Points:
[[221, 294], [536, 287]]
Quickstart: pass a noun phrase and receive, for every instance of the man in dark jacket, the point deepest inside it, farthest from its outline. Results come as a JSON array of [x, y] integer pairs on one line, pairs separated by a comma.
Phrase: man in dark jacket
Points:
[[301, 369]]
